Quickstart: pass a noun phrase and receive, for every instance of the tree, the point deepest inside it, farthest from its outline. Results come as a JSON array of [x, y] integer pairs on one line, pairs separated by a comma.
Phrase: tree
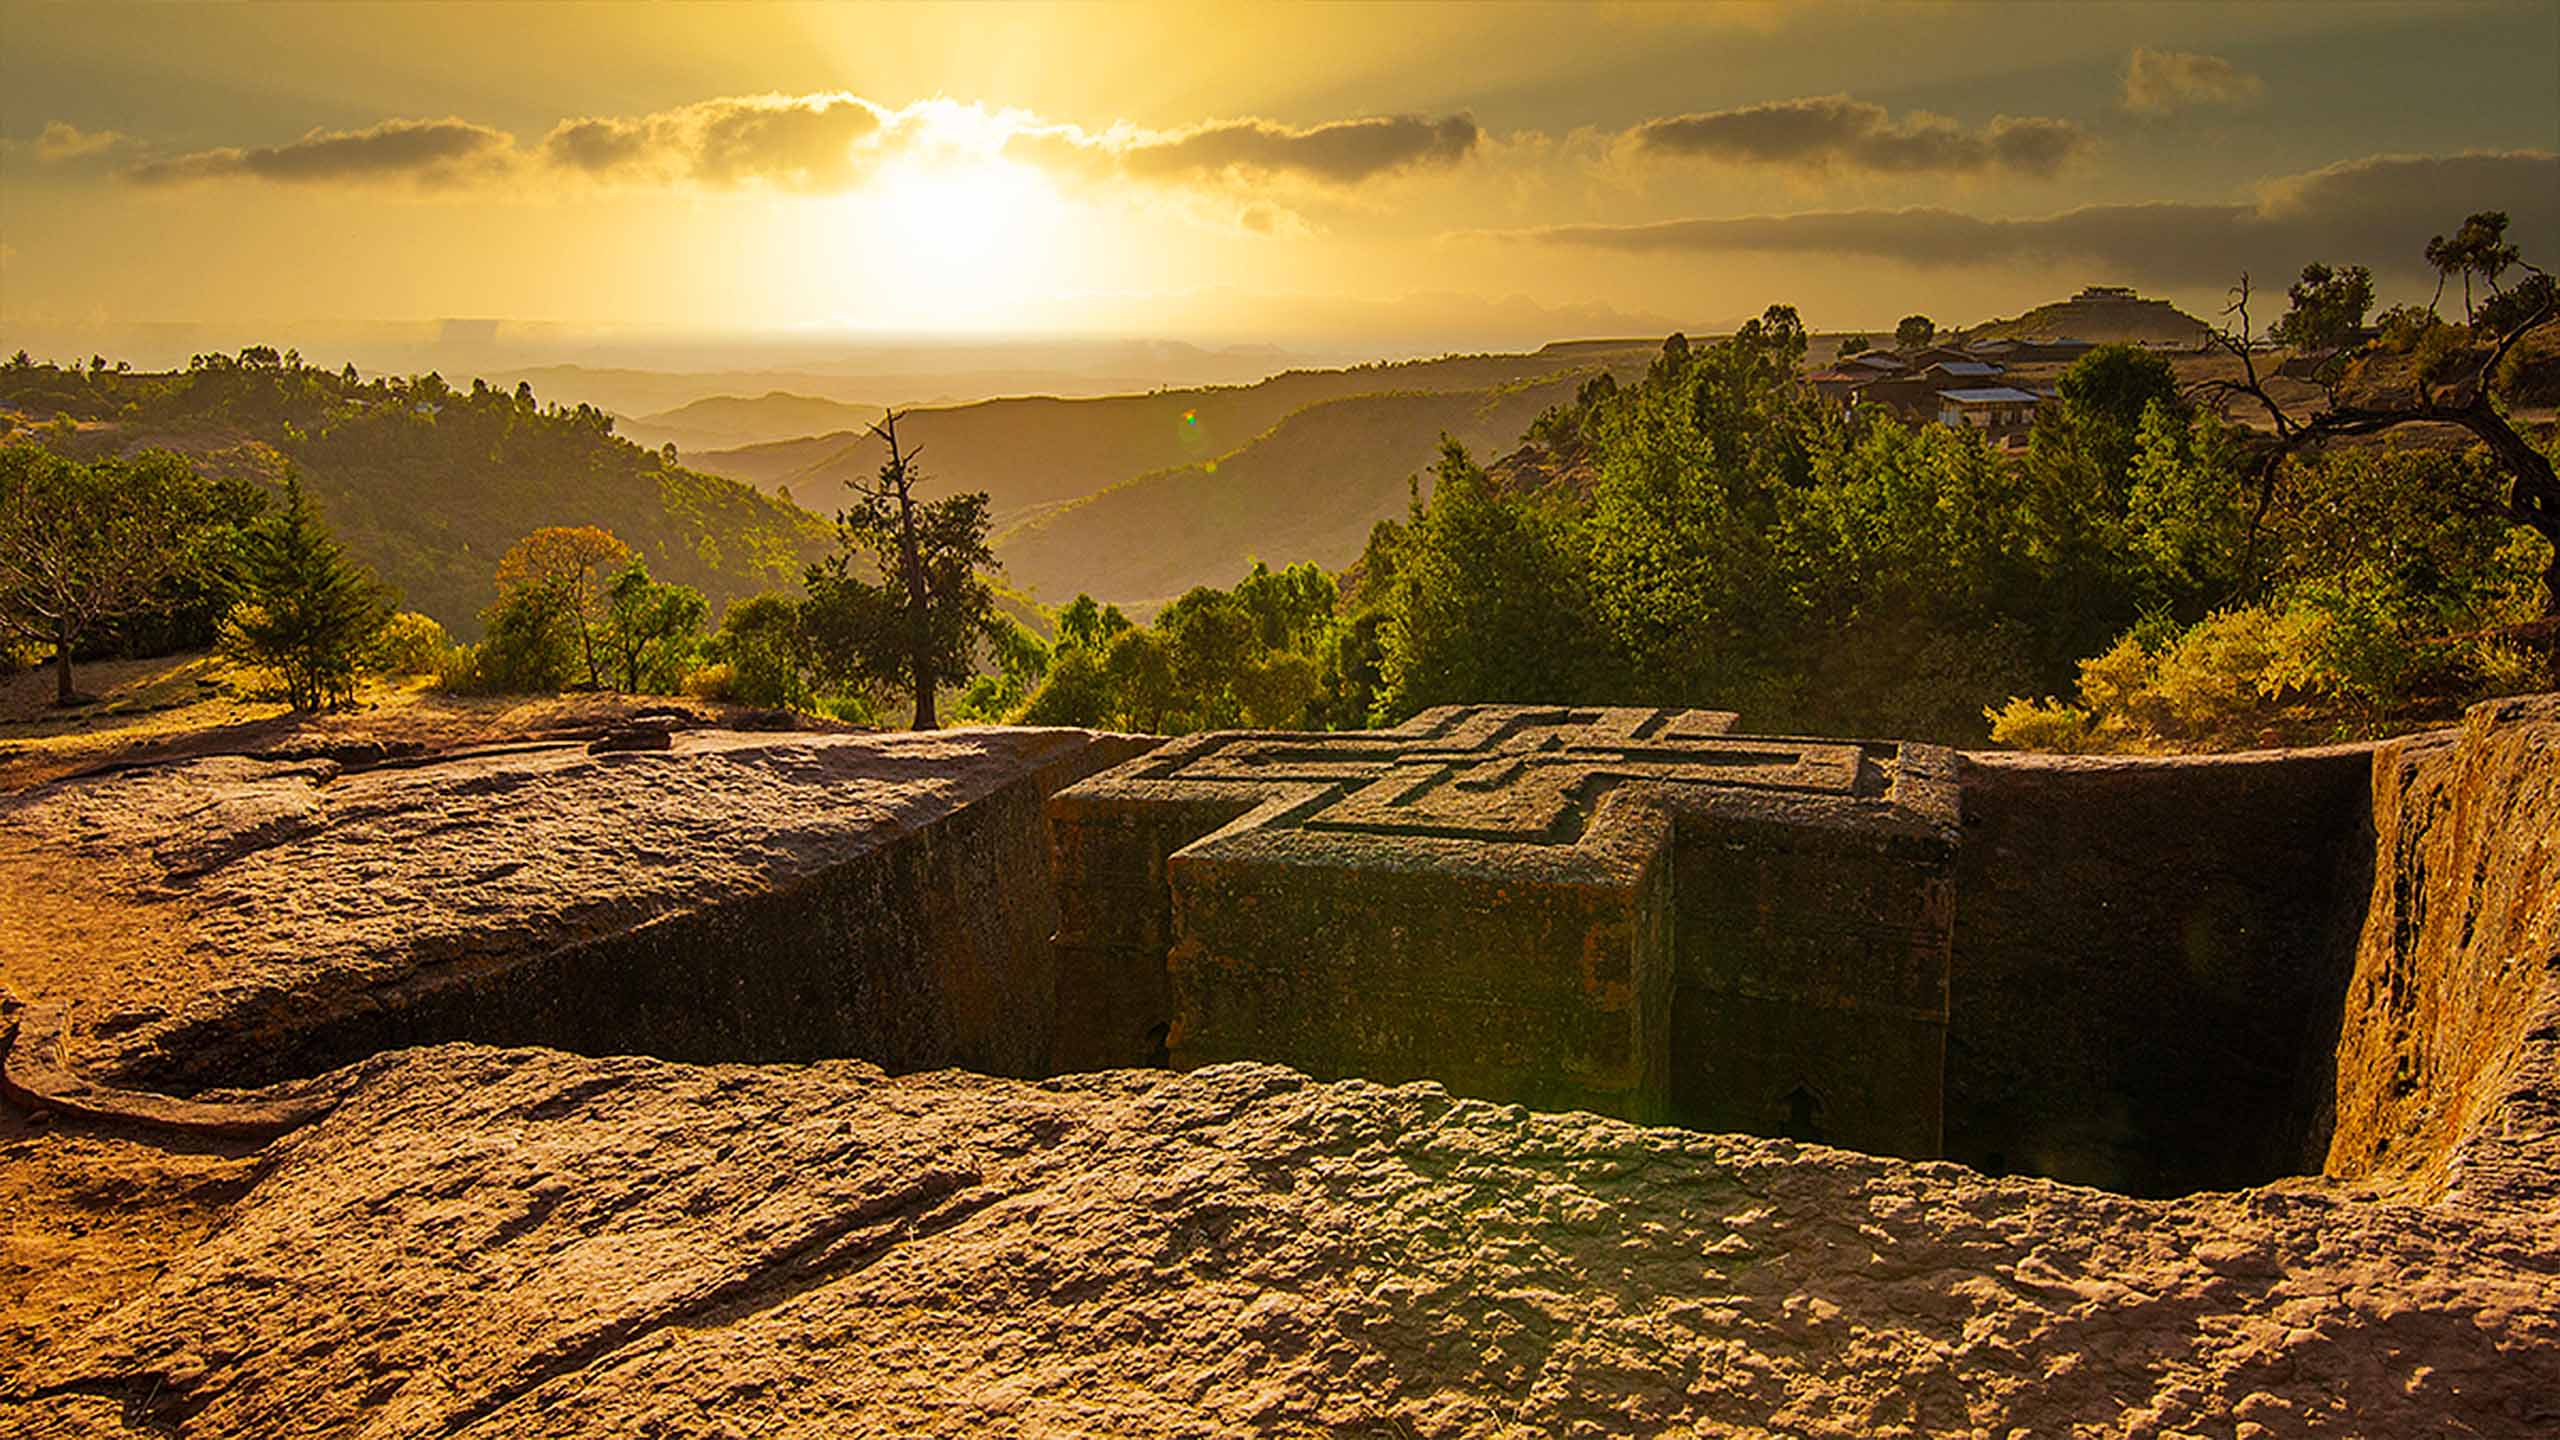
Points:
[[2104, 395], [2477, 247], [1022, 663], [651, 630], [531, 644], [920, 623], [1915, 331], [2457, 389], [1088, 623], [767, 652], [85, 544], [2328, 308], [1489, 602], [2513, 309], [1853, 345], [305, 613], [1137, 668], [572, 564]]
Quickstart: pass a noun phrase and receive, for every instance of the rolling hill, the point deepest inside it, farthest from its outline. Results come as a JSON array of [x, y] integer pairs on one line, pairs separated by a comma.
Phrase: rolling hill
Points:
[[1310, 488], [724, 421], [427, 485], [2100, 314], [1032, 453]]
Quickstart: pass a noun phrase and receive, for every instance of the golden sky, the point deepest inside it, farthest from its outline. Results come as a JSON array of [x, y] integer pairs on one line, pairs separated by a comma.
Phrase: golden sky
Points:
[[1234, 171]]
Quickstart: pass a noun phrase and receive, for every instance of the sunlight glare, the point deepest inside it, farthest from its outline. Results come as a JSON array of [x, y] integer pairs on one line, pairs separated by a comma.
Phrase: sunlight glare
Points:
[[956, 239]]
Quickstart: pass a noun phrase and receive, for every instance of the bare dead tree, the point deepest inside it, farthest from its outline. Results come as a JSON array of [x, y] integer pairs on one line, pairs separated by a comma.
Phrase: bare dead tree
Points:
[[2532, 497], [919, 623]]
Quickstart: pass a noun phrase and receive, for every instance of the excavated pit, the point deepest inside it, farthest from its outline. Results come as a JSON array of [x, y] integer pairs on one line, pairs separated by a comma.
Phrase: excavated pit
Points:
[[2167, 976]]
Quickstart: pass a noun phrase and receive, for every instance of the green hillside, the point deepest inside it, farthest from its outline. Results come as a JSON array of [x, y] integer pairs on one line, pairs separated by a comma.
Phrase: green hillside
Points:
[[426, 484], [1310, 488], [1033, 452]]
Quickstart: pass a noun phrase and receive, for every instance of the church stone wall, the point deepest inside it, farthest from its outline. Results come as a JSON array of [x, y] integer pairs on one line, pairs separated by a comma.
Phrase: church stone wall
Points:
[[1626, 910]]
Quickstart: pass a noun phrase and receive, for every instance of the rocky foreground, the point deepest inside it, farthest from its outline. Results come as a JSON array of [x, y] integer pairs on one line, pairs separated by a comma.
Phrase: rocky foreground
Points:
[[462, 1239], [527, 1243]]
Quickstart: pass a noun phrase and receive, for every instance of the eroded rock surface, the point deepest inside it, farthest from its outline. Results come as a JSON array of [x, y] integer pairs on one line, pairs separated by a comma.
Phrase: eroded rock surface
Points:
[[527, 1243], [524, 1242]]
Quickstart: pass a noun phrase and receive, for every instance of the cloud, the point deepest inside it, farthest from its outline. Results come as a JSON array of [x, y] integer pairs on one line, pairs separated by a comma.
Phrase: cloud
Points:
[[63, 143], [1343, 152], [64, 149], [1827, 131], [828, 141], [426, 152], [2159, 80], [2377, 211], [801, 142]]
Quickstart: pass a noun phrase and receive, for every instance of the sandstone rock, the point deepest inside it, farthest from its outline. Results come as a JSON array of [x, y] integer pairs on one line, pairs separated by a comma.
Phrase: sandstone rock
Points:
[[527, 1242], [263, 907], [531, 1244]]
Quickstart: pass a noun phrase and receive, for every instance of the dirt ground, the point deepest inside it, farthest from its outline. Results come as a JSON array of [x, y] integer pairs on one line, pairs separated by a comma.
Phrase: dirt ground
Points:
[[192, 704]]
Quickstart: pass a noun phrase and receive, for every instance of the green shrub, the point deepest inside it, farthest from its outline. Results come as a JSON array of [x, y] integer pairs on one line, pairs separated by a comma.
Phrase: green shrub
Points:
[[716, 681], [458, 669], [2046, 725], [408, 644]]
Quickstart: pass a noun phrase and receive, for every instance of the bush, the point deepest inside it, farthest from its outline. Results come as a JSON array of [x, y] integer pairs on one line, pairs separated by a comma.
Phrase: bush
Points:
[[408, 644], [458, 669], [2046, 725], [851, 709], [716, 681]]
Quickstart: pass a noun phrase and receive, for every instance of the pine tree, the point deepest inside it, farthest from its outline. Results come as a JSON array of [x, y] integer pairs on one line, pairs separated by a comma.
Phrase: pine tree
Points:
[[304, 612]]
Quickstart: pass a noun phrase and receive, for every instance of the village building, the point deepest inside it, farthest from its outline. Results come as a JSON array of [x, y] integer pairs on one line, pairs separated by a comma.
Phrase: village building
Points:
[[2003, 412], [1960, 373]]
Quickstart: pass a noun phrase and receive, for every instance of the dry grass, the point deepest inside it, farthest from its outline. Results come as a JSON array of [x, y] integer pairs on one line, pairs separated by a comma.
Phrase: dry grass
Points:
[[183, 705]]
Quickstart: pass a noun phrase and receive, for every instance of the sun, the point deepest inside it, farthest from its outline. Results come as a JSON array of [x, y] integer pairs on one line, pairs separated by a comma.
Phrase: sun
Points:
[[957, 239]]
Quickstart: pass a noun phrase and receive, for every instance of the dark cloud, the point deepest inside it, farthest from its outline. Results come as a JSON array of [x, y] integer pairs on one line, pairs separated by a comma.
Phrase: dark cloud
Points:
[[819, 142], [808, 142], [2167, 79], [1343, 152], [1827, 131], [429, 152], [598, 146], [2377, 211]]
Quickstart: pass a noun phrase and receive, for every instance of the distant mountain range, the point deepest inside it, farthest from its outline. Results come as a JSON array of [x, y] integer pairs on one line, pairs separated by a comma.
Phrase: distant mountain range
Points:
[[1030, 453], [725, 421]]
